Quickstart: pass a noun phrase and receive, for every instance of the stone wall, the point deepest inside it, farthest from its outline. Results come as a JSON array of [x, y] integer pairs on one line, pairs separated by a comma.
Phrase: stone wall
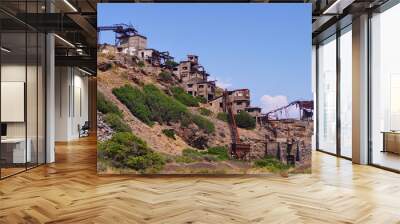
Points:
[[290, 139]]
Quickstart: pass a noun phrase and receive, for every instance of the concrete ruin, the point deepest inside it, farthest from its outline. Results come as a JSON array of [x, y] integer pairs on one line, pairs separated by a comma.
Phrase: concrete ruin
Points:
[[194, 78], [239, 99], [132, 44]]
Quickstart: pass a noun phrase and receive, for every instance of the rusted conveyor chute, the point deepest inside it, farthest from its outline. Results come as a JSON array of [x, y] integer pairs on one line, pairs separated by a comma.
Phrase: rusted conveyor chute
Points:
[[239, 150]]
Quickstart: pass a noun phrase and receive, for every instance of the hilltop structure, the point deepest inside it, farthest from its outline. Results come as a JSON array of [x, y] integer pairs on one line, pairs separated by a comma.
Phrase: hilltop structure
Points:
[[194, 78], [190, 73], [136, 45]]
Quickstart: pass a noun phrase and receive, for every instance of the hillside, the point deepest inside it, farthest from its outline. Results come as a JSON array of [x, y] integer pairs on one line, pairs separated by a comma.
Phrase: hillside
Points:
[[121, 74], [176, 131]]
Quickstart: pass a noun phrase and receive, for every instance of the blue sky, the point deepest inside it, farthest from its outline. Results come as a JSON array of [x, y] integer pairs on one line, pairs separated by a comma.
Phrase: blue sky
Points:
[[263, 47]]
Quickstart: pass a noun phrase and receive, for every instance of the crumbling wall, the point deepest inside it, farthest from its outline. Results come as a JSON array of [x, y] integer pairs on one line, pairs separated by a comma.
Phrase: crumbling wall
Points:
[[290, 139]]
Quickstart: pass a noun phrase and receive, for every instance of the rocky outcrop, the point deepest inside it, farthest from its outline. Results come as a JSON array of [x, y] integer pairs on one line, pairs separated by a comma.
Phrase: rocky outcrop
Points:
[[104, 131]]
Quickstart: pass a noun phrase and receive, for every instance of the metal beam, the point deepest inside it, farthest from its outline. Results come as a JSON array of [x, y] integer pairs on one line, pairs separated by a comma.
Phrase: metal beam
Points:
[[78, 61]]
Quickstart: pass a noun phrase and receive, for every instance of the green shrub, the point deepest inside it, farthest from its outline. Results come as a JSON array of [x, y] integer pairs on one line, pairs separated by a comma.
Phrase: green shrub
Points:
[[271, 164], [152, 104], [135, 100], [184, 159], [205, 112], [201, 99], [183, 97], [141, 64], [189, 156], [245, 120], [163, 108], [171, 63], [191, 152], [203, 123], [105, 106], [150, 160], [125, 150], [221, 152], [222, 116], [165, 76], [218, 153], [116, 123], [170, 133]]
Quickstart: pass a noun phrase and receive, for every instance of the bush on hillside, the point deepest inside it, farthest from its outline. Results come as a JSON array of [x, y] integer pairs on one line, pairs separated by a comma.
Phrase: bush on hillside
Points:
[[201, 99], [141, 64], [205, 111], [165, 76], [245, 120], [222, 116], [163, 108], [189, 155], [182, 96], [171, 63], [135, 100], [105, 106], [151, 104], [271, 164], [203, 123], [221, 152], [170, 133], [116, 123], [125, 150]]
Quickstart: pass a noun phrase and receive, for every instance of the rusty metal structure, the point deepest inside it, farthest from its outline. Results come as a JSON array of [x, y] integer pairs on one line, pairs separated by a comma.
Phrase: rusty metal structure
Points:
[[239, 150], [121, 31], [305, 110]]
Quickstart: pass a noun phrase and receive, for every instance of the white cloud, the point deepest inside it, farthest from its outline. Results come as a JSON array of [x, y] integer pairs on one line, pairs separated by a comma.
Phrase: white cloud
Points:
[[269, 103], [222, 83]]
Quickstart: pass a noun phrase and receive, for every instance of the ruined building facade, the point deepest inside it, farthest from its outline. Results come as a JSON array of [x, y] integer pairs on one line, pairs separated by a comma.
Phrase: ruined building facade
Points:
[[239, 99], [132, 44], [194, 78], [136, 46]]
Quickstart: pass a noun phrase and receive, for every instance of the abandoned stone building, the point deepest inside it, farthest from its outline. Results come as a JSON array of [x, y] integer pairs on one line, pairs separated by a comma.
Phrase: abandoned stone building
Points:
[[205, 89], [194, 78], [190, 69], [132, 44], [239, 99], [254, 111]]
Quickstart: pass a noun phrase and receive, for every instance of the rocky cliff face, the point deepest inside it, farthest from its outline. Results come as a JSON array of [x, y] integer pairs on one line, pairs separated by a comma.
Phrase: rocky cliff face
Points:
[[104, 131]]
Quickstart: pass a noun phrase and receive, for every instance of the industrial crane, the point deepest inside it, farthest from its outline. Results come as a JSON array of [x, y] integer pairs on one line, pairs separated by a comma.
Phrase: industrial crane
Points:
[[121, 31]]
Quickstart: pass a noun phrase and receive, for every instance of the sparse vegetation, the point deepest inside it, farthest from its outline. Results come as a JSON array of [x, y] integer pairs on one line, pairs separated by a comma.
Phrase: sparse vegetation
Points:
[[272, 164], [151, 104], [221, 152], [182, 96], [205, 111], [203, 123], [170, 133], [165, 76], [201, 99], [189, 155], [141, 64], [125, 150], [222, 116], [163, 108], [171, 63], [105, 106], [116, 123], [245, 120], [135, 100]]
